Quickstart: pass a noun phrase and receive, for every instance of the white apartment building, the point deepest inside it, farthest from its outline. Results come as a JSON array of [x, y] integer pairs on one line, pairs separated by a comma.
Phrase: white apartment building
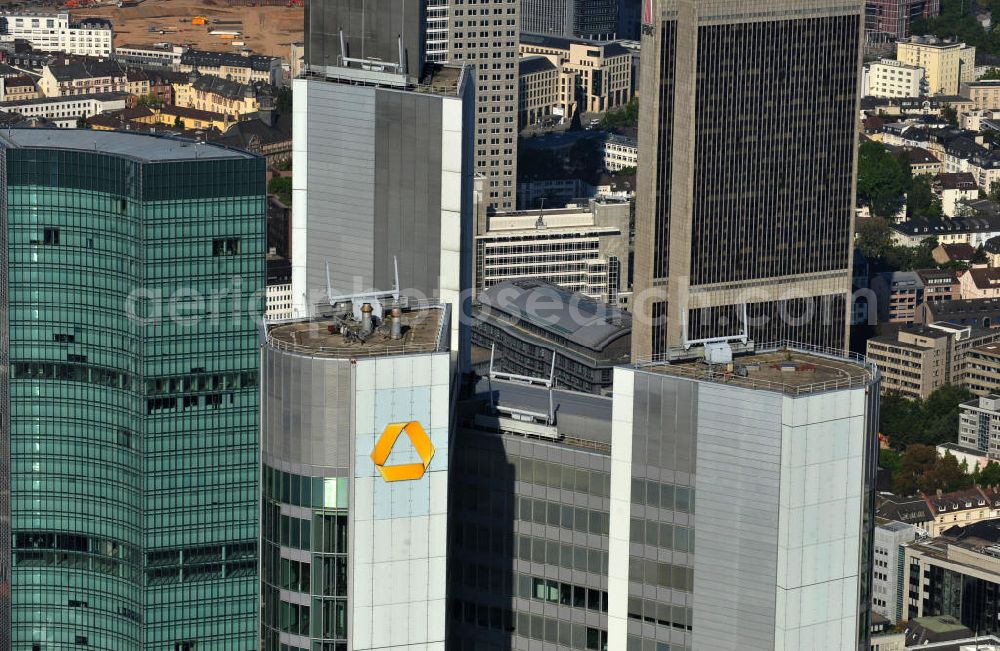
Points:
[[584, 249], [164, 54], [979, 425], [61, 108], [278, 302], [437, 30], [891, 78], [620, 152], [56, 33], [890, 536]]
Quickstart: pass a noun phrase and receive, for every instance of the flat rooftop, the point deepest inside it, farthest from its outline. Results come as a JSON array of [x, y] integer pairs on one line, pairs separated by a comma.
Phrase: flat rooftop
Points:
[[422, 332], [786, 370], [146, 148]]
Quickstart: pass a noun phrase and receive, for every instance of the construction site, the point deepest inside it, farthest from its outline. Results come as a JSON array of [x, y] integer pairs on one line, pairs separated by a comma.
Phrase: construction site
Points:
[[264, 26]]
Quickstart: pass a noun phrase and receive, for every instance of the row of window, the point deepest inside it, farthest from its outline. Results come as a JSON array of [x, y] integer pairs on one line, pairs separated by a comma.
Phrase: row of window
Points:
[[535, 471], [655, 612], [663, 496], [547, 629], [661, 534], [297, 490], [326, 533]]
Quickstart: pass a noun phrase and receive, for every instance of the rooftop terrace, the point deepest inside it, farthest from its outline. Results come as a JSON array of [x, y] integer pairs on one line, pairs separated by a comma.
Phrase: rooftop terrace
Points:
[[424, 330], [785, 367]]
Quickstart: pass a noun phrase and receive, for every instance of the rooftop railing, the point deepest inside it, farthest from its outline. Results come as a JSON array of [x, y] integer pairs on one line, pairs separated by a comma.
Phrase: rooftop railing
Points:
[[859, 371]]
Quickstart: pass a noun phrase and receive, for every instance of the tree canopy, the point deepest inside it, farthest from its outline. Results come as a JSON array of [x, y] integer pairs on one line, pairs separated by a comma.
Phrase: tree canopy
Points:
[[920, 468], [921, 202], [626, 117], [281, 186], [958, 19], [927, 422], [882, 180]]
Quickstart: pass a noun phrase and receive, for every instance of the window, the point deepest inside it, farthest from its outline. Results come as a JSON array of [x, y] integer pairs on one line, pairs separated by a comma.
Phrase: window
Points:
[[225, 246]]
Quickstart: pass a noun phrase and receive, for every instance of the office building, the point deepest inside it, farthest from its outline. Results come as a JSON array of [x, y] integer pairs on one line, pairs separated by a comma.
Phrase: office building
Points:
[[594, 76], [484, 36], [733, 219], [620, 152], [982, 369], [538, 94], [891, 78], [573, 515], [978, 313], [890, 536], [59, 33], [916, 361], [581, 248], [979, 425], [243, 68], [132, 398], [82, 77], [438, 21], [65, 112], [947, 65], [898, 294], [529, 516], [984, 94], [383, 155], [889, 20], [955, 574], [536, 329], [597, 19], [355, 437], [164, 55]]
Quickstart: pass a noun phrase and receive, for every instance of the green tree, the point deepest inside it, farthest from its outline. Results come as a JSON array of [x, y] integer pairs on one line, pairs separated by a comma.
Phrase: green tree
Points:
[[921, 202], [994, 193], [283, 100], [149, 99], [940, 413], [950, 115], [874, 238], [914, 463], [928, 422], [281, 187], [881, 180], [890, 460], [626, 117], [988, 475], [945, 474], [992, 73], [908, 258]]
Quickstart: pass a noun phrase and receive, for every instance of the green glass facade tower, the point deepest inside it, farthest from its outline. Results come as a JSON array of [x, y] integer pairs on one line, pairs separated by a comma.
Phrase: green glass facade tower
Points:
[[132, 271]]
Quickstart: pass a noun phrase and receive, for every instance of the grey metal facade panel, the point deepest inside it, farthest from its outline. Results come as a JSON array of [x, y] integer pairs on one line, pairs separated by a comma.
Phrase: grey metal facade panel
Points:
[[341, 170], [663, 435], [306, 414], [408, 141], [736, 524]]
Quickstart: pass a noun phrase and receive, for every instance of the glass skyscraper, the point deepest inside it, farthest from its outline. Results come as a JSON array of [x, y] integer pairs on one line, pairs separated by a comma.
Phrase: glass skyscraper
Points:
[[132, 269]]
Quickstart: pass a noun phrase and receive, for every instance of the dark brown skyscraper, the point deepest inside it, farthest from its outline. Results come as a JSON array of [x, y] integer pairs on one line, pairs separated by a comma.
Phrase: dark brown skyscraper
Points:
[[748, 128]]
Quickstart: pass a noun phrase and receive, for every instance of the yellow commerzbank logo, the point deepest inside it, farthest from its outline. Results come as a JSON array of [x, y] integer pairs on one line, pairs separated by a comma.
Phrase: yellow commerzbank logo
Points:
[[405, 471]]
